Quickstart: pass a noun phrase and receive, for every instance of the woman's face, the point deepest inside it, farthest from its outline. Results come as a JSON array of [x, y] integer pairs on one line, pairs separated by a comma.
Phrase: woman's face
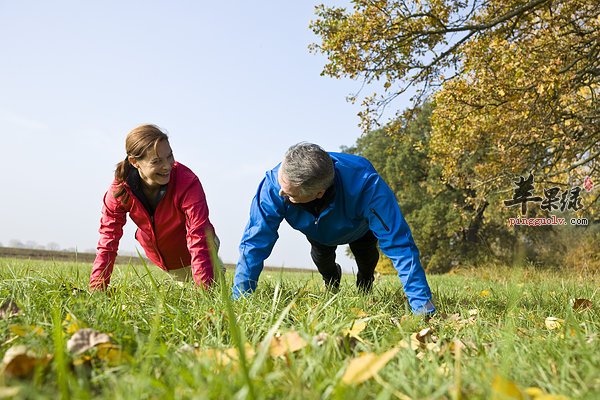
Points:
[[155, 168]]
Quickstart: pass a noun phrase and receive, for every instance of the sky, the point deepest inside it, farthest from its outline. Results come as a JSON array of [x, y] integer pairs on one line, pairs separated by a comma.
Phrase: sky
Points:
[[232, 83]]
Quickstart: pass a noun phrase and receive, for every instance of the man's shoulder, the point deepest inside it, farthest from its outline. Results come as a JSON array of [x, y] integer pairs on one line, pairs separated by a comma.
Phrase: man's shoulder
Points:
[[351, 162]]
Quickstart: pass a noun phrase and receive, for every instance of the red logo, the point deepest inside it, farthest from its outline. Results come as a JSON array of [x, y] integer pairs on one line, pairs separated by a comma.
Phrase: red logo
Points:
[[588, 185]]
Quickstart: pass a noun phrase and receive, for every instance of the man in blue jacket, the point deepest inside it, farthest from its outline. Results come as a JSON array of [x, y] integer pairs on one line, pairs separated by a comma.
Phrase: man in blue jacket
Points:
[[334, 199]]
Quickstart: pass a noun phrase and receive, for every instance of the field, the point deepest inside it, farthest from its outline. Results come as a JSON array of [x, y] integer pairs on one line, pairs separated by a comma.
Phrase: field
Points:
[[499, 333]]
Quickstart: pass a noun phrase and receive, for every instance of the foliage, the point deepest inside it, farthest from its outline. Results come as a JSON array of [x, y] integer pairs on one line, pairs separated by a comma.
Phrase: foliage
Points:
[[516, 83], [498, 330], [447, 229]]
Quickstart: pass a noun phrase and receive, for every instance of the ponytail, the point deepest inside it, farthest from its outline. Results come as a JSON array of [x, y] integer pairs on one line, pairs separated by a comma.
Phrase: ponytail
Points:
[[121, 174]]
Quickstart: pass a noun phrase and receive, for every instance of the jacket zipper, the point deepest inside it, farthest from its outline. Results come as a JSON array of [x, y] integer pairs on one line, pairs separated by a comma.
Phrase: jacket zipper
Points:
[[380, 219]]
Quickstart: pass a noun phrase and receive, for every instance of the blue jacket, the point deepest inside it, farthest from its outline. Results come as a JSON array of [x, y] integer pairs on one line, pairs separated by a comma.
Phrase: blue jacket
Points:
[[362, 201]]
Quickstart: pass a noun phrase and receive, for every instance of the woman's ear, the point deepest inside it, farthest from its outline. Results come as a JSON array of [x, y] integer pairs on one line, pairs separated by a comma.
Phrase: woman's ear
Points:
[[133, 161]]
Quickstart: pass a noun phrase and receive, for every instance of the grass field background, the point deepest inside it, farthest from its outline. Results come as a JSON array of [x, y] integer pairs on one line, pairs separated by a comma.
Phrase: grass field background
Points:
[[499, 333]]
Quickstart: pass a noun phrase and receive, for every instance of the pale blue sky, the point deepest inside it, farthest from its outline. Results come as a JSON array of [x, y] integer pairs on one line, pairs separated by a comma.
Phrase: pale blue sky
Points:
[[233, 84]]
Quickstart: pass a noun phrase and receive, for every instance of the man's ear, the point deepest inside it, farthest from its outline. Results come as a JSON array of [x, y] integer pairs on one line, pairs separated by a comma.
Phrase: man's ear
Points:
[[133, 162], [321, 193]]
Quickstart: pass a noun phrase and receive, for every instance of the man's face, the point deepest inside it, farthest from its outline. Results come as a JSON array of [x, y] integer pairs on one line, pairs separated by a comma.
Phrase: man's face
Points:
[[293, 192]]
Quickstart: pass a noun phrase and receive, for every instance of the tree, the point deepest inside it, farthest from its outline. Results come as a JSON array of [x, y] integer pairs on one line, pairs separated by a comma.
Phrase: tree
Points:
[[515, 82], [446, 228]]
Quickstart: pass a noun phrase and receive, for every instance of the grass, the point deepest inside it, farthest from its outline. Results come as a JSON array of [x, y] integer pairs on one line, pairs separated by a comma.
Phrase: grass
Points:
[[153, 322]]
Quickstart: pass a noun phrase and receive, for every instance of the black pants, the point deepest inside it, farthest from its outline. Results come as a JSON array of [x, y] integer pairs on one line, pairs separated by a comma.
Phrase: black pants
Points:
[[366, 256]]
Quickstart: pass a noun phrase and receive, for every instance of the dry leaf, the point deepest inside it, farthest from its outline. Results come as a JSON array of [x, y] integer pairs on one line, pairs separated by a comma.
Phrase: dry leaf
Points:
[[366, 366], [357, 327], [358, 312], [8, 309], [534, 392], [320, 339], [485, 293], [286, 343], [85, 339], [582, 305], [7, 392], [71, 324], [226, 357], [553, 323], [111, 353], [20, 362], [424, 335], [504, 389], [24, 330]]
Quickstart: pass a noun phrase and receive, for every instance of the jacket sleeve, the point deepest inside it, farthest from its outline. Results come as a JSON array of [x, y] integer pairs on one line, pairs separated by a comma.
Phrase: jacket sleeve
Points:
[[266, 213], [198, 231], [114, 216], [396, 241]]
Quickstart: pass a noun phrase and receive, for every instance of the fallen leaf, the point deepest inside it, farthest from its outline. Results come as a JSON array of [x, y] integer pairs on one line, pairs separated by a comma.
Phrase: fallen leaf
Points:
[[20, 362], [357, 327], [582, 305], [82, 360], [24, 330], [358, 312], [534, 392], [424, 335], [553, 323], [505, 389], [7, 392], [111, 353], [485, 293], [286, 343], [8, 309], [226, 357], [320, 339], [71, 324], [366, 366], [85, 339]]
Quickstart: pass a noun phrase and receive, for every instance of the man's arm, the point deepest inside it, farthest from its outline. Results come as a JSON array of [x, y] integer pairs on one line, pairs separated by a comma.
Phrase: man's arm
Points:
[[396, 241], [266, 213]]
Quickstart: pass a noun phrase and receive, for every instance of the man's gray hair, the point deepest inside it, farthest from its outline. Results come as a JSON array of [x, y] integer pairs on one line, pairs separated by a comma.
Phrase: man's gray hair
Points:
[[309, 167]]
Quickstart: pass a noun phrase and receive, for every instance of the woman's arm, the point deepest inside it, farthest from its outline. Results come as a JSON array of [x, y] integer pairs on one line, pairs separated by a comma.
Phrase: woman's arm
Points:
[[114, 216]]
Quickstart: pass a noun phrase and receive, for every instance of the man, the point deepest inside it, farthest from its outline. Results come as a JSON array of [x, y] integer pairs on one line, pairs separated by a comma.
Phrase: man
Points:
[[334, 199]]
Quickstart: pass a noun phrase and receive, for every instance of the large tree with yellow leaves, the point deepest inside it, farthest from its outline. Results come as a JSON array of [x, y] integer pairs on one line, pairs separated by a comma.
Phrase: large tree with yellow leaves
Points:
[[515, 82]]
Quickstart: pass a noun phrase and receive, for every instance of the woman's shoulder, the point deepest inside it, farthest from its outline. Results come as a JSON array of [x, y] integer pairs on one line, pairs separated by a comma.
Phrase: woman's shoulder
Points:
[[181, 172]]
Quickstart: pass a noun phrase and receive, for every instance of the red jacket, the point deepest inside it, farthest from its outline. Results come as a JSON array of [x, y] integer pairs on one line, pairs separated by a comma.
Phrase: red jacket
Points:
[[177, 238]]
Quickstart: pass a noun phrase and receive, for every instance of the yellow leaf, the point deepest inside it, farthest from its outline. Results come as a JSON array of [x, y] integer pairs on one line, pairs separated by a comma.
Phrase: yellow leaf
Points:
[[226, 357], [357, 327], [484, 293], [502, 388], [553, 323], [24, 330], [366, 366], [551, 397], [111, 353], [534, 392], [71, 324], [358, 312], [286, 343]]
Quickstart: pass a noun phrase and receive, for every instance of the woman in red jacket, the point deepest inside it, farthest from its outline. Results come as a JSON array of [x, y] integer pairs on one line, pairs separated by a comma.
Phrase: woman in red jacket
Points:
[[165, 200]]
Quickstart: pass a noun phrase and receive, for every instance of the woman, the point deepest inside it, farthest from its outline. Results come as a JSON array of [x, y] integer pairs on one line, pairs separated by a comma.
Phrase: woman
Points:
[[166, 201]]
